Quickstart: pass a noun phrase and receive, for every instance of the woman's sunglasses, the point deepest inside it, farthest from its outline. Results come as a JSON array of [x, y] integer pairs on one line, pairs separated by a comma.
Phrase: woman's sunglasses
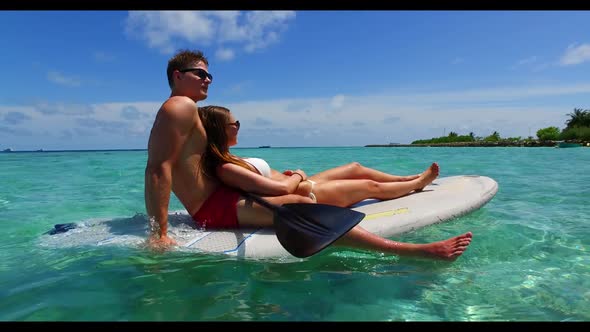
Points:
[[237, 124], [201, 73]]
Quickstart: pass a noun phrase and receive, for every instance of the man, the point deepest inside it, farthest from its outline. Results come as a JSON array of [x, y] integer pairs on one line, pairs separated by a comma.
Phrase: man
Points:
[[175, 147], [177, 141]]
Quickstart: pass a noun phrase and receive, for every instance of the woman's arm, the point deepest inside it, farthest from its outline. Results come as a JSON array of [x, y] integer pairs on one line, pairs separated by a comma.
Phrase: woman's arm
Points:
[[276, 175], [239, 177], [303, 189]]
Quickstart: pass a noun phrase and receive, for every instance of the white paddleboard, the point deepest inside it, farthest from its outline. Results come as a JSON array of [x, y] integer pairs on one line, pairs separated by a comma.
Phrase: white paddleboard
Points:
[[444, 199]]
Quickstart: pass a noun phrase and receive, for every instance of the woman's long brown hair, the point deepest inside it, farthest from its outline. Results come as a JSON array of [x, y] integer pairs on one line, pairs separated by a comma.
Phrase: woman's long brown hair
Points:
[[215, 119]]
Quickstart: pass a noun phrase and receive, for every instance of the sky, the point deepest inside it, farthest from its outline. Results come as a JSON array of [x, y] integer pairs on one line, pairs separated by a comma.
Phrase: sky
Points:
[[76, 80]]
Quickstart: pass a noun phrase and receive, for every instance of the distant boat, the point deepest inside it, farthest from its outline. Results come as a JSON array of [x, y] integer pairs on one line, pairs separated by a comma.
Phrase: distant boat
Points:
[[568, 145], [7, 150], [264, 147]]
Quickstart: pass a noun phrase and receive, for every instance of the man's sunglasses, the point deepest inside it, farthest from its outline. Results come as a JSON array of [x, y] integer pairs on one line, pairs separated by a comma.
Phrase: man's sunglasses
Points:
[[201, 73], [237, 124]]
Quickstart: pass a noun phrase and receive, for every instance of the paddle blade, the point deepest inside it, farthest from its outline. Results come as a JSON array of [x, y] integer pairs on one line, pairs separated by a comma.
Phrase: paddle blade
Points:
[[305, 229]]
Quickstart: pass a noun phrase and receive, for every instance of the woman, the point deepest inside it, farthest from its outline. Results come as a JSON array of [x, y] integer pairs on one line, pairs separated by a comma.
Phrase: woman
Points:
[[342, 186], [217, 162]]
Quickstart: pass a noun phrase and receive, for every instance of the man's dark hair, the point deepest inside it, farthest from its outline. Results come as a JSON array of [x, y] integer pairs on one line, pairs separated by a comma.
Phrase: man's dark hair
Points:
[[181, 60]]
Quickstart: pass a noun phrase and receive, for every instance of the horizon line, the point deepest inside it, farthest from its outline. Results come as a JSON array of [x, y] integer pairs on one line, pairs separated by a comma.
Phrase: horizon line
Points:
[[145, 149]]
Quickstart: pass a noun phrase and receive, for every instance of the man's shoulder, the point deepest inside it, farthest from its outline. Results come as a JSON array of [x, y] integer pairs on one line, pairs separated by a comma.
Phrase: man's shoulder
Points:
[[179, 106], [179, 101]]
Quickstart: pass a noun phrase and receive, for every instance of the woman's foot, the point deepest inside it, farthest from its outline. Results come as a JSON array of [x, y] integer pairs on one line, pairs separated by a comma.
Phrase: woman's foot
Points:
[[407, 178], [449, 249], [428, 176]]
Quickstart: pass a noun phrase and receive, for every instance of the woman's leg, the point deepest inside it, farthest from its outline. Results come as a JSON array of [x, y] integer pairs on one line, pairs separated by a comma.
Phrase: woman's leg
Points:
[[345, 193], [252, 214], [355, 170], [448, 249]]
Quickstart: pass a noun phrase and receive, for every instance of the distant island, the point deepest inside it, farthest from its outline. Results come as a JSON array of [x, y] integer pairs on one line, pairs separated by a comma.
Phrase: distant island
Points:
[[472, 144], [576, 133]]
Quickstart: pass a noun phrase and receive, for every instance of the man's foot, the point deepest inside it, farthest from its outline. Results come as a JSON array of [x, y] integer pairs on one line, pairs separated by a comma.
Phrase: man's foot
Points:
[[428, 176], [449, 249]]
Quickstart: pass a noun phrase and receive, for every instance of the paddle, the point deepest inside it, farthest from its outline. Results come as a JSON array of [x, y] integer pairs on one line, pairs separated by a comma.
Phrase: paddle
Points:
[[304, 229]]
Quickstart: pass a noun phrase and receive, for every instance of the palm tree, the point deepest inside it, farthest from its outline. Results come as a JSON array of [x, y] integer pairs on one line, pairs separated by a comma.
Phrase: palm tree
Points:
[[586, 118], [578, 118], [494, 137]]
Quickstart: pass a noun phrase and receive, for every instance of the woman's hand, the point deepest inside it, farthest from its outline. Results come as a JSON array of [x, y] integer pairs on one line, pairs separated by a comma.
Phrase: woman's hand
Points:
[[297, 171], [240, 177], [304, 188]]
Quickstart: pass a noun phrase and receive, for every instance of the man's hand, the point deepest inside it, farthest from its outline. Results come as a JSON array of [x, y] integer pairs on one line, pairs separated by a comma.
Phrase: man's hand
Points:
[[161, 243]]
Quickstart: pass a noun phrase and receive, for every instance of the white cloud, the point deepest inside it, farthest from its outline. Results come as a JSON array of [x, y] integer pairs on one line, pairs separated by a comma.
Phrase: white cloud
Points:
[[62, 108], [262, 122], [457, 61], [337, 102], [224, 54], [361, 120], [13, 118], [311, 134], [404, 117], [75, 126], [131, 113], [56, 77], [487, 95], [391, 119], [262, 28], [166, 30], [575, 55], [12, 132], [159, 28]]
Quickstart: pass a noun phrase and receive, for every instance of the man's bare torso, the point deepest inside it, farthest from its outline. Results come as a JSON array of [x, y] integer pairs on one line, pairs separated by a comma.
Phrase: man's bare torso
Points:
[[189, 184]]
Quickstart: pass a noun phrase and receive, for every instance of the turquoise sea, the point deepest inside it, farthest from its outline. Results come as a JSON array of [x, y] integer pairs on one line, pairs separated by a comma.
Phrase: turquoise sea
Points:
[[529, 259]]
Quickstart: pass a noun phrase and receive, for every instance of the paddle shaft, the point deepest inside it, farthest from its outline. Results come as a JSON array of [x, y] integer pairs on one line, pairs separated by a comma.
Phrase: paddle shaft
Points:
[[261, 201]]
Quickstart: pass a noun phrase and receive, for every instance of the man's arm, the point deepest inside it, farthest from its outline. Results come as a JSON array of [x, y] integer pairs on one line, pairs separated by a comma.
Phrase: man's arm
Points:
[[169, 133], [239, 177]]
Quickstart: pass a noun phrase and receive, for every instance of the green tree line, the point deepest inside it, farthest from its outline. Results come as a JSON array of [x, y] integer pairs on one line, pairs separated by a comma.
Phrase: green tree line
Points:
[[577, 128]]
